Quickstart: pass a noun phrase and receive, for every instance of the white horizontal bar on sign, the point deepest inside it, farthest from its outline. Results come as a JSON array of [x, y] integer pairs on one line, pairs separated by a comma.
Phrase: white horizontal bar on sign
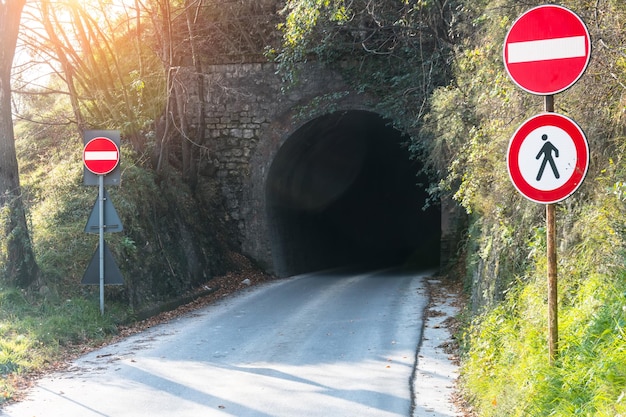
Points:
[[546, 49], [100, 156]]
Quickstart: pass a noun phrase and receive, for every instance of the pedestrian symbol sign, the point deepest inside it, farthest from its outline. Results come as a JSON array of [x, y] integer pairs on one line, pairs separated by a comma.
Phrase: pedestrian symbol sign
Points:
[[546, 152], [548, 158]]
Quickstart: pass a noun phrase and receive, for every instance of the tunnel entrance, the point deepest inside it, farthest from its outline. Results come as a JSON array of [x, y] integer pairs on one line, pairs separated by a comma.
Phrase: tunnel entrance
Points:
[[342, 191]]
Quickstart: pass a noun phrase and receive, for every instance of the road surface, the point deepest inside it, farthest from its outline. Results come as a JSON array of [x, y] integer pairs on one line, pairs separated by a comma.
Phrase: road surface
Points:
[[317, 345]]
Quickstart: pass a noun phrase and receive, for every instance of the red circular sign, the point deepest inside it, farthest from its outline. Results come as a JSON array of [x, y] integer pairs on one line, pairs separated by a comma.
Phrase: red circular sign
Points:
[[101, 155], [547, 50], [548, 158]]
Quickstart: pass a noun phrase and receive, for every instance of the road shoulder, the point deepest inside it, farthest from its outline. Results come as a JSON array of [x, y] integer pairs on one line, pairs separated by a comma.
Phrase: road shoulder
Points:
[[437, 371]]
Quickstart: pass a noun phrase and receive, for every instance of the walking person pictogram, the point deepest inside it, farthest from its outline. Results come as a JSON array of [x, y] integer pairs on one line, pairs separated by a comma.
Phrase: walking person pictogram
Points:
[[548, 138], [547, 150]]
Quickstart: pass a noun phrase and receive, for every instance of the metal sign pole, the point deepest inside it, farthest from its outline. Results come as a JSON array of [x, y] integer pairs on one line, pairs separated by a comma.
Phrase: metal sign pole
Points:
[[545, 60], [101, 240], [553, 327]]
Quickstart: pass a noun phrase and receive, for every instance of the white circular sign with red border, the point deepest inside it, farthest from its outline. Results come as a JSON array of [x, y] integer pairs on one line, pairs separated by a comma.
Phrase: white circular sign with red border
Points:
[[101, 155], [547, 50], [548, 158]]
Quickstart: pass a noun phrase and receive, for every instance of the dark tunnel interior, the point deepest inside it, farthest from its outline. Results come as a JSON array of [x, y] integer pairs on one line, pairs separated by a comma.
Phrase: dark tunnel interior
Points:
[[342, 191]]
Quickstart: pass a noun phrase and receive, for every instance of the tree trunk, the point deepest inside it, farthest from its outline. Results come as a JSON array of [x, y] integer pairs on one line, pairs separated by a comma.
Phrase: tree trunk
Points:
[[66, 67], [190, 172], [16, 252], [162, 20]]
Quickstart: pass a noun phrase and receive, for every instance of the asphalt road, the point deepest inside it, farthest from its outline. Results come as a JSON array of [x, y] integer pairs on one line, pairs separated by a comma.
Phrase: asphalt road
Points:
[[317, 345]]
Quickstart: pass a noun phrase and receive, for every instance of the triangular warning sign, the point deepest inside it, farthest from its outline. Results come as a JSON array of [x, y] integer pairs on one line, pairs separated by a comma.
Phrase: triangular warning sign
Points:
[[112, 222], [112, 274]]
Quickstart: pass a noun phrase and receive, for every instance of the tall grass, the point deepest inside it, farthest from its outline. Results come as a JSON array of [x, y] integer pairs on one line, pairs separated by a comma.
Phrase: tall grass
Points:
[[506, 370]]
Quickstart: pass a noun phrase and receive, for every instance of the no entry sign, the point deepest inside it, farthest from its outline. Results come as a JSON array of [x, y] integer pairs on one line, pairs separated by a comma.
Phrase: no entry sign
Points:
[[101, 155], [548, 158], [547, 50]]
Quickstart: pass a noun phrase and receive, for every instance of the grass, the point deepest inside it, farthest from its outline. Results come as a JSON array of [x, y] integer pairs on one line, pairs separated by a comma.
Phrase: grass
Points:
[[506, 369], [39, 325], [34, 333], [508, 373]]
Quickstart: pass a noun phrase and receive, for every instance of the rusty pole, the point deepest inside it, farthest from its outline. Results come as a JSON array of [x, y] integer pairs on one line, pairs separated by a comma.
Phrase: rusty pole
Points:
[[553, 327]]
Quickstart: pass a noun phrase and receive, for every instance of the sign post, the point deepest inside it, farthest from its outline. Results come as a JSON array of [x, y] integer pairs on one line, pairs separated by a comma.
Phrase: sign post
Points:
[[546, 51], [547, 160], [101, 156], [101, 238], [553, 305]]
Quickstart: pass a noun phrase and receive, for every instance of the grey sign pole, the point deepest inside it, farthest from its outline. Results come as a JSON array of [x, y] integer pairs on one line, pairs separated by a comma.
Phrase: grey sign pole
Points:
[[101, 166], [101, 238]]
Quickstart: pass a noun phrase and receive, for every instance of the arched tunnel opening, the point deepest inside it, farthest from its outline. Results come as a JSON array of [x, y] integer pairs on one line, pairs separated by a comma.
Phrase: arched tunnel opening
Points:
[[343, 191]]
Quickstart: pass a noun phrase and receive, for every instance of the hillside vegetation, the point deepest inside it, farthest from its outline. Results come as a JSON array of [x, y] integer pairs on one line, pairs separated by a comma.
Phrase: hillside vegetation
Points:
[[506, 371], [435, 68], [472, 110], [174, 238]]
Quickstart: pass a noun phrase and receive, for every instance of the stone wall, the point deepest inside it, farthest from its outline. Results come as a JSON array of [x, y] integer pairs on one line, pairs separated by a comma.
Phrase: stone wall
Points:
[[248, 117]]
